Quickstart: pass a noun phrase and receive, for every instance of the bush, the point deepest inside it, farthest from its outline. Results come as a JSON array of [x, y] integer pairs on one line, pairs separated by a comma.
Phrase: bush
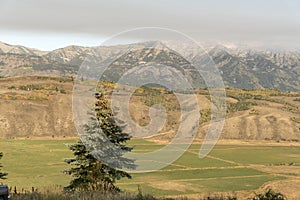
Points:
[[92, 195], [297, 99], [63, 91], [239, 106], [269, 195], [240, 96]]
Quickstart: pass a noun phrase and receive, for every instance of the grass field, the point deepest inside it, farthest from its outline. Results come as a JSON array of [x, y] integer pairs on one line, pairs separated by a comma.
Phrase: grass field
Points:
[[38, 163], [35, 163]]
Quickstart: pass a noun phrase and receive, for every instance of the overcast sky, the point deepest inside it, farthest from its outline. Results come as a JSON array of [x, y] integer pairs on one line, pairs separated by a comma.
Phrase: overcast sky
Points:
[[49, 24]]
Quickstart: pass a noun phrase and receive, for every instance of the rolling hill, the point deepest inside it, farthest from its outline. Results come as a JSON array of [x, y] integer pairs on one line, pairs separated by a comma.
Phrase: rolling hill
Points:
[[39, 107]]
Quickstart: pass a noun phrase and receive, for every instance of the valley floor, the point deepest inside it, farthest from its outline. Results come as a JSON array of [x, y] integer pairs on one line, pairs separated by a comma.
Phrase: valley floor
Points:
[[232, 167]]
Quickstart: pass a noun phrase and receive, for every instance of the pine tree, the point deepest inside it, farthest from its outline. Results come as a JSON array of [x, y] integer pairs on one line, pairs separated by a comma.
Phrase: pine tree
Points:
[[2, 174], [99, 159]]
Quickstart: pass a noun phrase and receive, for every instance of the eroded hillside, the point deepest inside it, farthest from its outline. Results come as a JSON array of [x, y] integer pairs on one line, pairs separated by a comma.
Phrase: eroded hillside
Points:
[[36, 107], [42, 107]]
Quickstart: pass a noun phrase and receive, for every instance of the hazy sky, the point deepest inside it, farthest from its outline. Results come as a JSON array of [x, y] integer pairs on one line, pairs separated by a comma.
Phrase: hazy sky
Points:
[[49, 24]]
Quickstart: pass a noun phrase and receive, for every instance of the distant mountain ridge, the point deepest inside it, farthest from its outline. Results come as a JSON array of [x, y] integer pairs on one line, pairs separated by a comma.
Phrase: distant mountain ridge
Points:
[[18, 49], [240, 68]]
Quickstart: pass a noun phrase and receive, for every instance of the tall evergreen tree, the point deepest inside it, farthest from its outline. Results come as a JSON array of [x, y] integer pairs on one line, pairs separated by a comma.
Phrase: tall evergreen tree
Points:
[[99, 159], [2, 174]]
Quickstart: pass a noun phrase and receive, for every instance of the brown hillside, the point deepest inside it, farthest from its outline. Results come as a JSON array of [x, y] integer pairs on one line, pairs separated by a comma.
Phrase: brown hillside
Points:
[[36, 107], [42, 107]]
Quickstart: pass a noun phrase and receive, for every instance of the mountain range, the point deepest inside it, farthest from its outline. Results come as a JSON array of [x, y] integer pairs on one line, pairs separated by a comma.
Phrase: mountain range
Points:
[[239, 68]]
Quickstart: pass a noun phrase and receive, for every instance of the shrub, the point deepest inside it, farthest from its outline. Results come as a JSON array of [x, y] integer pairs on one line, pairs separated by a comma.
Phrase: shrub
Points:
[[63, 91], [269, 195], [297, 99], [239, 106]]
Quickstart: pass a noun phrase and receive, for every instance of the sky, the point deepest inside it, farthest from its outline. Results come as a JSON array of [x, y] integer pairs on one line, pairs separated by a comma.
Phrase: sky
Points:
[[50, 24]]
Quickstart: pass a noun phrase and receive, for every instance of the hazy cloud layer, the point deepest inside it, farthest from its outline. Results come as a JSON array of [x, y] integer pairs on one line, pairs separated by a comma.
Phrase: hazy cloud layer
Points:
[[271, 21]]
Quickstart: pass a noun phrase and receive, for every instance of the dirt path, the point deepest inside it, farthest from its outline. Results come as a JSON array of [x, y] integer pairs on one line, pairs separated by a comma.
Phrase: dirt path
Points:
[[203, 168], [220, 159]]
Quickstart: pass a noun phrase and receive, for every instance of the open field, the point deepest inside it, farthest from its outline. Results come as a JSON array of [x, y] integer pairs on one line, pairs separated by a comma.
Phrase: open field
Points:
[[229, 167], [35, 163]]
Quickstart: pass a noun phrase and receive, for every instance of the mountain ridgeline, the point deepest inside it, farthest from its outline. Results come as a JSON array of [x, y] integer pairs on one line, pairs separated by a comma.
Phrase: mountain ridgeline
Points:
[[239, 68]]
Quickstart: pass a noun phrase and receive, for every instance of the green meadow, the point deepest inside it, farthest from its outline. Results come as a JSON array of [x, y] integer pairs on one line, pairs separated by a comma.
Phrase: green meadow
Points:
[[35, 163], [39, 164]]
